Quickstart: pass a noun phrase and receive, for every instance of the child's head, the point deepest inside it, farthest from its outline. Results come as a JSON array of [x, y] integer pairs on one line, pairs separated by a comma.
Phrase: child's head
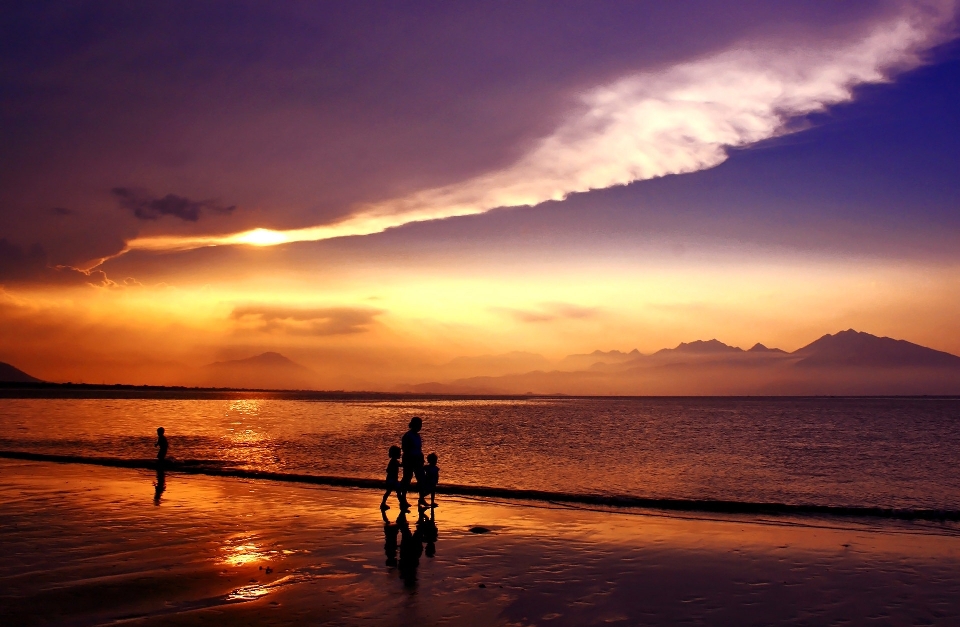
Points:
[[159, 430], [394, 452], [432, 459], [416, 423]]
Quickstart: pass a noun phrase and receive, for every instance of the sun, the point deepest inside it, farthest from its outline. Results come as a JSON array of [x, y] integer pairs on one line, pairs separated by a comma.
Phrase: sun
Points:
[[260, 237]]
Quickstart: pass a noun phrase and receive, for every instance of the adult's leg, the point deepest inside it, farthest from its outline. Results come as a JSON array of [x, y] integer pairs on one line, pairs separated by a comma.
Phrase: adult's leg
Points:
[[421, 484], [409, 471]]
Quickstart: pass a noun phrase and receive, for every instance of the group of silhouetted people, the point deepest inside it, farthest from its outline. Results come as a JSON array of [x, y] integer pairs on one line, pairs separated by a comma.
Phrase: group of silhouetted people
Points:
[[409, 457]]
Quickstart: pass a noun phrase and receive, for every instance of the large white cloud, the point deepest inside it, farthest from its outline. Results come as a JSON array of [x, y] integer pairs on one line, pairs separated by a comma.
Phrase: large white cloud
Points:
[[672, 120]]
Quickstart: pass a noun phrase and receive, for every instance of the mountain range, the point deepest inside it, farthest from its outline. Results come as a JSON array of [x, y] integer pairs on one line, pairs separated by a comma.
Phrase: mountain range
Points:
[[848, 362]]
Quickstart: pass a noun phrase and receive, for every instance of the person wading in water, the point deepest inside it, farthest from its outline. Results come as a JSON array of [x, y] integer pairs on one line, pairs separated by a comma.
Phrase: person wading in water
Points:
[[412, 446]]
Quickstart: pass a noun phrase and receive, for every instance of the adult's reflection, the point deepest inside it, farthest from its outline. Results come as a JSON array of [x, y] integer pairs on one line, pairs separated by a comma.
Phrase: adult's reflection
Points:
[[160, 485], [411, 548]]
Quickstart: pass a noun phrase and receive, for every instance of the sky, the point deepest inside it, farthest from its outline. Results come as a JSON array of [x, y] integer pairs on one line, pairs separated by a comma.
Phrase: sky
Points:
[[375, 189]]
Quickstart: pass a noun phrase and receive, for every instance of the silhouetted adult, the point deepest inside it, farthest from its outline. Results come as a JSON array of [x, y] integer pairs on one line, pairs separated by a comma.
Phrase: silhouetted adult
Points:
[[412, 446]]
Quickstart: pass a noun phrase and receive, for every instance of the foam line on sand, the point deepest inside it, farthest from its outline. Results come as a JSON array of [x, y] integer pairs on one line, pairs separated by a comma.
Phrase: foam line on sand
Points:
[[224, 469]]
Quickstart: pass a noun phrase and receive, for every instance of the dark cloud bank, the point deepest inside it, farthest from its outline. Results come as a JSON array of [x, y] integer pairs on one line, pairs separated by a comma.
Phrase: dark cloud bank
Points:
[[147, 207]]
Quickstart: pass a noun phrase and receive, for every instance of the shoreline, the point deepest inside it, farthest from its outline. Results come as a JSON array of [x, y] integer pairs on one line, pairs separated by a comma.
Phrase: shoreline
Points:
[[47, 389], [215, 468]]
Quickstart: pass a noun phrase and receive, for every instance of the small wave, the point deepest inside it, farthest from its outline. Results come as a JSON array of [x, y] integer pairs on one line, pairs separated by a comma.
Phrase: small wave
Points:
[[219, 468]]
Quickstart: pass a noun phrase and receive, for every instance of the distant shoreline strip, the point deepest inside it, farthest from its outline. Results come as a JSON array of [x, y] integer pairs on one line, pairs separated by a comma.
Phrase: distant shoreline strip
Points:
[[217, 468]]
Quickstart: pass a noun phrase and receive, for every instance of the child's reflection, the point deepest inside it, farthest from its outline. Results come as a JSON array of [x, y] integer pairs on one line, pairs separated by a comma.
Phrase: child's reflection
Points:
[[429, 531], [390, 539], [159, 486]]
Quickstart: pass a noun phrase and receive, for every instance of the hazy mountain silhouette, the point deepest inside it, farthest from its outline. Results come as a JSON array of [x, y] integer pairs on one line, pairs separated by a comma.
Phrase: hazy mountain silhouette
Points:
[[701, 347], [760, 348], [848, 362], [12, 374], [505, 363], [265, 371], [854, 348], [598, 359]]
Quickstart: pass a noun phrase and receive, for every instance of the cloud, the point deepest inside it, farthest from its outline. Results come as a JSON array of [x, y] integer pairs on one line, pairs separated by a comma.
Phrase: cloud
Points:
[[296, 321], [549, 312], [146, 207], [32, 265], [678, 119]]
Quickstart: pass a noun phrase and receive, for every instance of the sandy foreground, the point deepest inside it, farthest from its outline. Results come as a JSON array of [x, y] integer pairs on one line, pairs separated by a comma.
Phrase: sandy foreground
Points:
[[85, 545]]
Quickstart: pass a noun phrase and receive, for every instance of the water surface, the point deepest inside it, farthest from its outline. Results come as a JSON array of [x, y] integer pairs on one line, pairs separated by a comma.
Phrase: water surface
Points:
[[846, 452]]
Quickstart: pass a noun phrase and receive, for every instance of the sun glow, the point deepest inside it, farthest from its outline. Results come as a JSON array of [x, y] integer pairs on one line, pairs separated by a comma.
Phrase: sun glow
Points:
[[261, 237]]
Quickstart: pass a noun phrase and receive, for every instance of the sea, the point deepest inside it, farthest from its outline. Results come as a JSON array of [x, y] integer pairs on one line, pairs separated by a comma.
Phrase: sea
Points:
[[899, 453]]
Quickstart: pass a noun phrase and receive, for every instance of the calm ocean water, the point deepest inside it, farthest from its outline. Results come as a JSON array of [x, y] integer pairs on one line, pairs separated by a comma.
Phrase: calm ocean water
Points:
[[866, 452]]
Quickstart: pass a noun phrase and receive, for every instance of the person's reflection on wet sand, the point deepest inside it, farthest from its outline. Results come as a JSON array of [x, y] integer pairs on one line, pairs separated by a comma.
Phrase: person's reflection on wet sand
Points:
[[428, 526], [411, 548], [390, 531], [159, 486]]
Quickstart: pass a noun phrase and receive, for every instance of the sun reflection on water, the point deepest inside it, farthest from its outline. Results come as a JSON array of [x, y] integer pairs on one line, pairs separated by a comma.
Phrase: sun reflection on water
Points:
[[243, 550], [246, 441], [256, 591], [243, 554]]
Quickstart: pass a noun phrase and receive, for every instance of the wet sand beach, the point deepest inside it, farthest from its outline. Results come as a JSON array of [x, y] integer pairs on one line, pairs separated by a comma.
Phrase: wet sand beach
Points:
[[86, 545]]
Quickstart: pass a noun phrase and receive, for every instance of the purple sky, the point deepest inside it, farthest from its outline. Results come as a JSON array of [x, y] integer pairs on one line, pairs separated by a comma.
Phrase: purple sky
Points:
[[685, 134]]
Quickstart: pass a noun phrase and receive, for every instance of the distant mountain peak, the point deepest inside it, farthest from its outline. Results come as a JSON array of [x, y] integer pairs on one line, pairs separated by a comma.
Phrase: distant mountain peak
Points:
[[856, 348], [269, 370], [269, 358], [12, 374], [760, 348], [613, 353], [702, 346]]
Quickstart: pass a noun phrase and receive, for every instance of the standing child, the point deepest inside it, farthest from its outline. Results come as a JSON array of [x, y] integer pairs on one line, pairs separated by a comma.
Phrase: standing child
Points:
[[431, 477], [161, 444], [393, 476]]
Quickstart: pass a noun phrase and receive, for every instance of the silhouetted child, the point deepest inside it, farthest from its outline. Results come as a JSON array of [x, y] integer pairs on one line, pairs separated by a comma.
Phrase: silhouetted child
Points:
[[431, 477], [161, 444], [393, 477]]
